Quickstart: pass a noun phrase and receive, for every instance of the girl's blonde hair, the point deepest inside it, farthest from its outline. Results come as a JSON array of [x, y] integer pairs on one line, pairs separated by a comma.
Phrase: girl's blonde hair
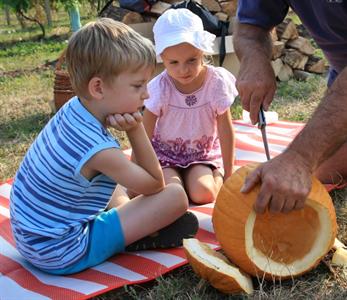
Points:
[[105, 48]]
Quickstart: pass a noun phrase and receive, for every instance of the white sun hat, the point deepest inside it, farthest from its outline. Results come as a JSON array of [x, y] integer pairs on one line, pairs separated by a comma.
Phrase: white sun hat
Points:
[[176, 26]]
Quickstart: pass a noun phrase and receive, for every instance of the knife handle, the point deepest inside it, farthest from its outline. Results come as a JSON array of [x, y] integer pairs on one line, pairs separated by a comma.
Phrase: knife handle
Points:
[[261, 118]]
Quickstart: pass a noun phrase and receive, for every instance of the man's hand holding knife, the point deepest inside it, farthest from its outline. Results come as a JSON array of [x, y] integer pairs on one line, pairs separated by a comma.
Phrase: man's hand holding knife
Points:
[[270, 175]]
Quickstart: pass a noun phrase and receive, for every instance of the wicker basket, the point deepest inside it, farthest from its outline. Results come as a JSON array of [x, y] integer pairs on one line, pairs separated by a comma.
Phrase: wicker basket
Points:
[[62, 86]]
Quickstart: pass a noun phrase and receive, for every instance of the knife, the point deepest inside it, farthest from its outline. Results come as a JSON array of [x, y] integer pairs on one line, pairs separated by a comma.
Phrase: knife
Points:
[[262, 126]]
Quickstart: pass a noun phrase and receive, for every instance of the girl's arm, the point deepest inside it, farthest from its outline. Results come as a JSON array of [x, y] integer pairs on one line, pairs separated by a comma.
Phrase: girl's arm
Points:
[[227, 141], [145, 176]]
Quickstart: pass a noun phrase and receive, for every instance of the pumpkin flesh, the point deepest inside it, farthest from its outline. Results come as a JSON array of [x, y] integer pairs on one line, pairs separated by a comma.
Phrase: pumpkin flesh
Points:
[[297, 250], [289, 245]]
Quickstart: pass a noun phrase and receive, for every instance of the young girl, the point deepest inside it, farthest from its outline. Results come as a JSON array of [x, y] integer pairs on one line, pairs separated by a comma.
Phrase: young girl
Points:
[[187, 115]]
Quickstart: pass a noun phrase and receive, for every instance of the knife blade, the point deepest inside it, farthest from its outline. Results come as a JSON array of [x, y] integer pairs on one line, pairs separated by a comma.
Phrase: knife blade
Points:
[[262, 127]]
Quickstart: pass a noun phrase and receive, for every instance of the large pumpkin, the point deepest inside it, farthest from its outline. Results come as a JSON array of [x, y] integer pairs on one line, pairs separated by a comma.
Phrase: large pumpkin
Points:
[[273, 245]]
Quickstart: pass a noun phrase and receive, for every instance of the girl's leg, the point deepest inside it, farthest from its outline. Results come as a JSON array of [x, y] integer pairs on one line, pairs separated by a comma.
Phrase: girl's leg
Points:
[[172, 175], [202, 183], [144, 215], [218, 179]]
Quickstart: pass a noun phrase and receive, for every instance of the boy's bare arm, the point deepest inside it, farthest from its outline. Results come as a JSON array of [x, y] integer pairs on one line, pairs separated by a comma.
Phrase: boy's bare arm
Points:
[[144, 152], [149, 120], [144, 177], [256, 81], [227, 141]]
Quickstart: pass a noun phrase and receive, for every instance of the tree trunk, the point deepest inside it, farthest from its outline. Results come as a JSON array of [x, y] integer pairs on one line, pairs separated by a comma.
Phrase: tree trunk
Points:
[[20, 12], [21, 20], [48, 13], [7, 15], [75, 19]]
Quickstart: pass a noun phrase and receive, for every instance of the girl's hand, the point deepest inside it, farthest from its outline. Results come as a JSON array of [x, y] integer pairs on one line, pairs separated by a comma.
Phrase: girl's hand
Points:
[[124, 122]]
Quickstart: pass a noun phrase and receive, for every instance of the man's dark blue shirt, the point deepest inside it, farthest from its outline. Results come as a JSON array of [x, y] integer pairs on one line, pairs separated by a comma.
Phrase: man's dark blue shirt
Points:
[[326, 20]]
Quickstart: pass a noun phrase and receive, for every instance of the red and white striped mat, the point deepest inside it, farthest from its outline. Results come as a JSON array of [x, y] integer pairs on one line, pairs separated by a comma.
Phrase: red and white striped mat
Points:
[[20, 280]]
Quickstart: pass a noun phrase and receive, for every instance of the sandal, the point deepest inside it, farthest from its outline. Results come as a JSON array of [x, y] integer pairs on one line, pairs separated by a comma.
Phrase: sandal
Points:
[[170, 236]]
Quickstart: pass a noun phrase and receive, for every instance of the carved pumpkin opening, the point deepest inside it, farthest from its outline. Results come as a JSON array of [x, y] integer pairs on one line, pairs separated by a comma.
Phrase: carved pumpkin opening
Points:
[[275, 235], [285, 244]]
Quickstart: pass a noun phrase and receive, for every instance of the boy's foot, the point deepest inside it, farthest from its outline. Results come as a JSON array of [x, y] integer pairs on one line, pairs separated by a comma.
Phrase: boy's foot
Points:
[[170, 236]]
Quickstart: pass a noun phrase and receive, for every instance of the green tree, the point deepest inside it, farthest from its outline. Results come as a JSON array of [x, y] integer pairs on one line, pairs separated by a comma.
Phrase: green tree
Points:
[[21, 8]]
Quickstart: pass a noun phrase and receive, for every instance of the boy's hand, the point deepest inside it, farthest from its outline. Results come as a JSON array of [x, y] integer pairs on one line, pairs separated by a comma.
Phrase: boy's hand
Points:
[[125, 122]]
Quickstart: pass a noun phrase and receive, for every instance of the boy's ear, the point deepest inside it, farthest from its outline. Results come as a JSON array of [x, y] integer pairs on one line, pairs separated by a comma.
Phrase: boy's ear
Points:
[[95, 88]]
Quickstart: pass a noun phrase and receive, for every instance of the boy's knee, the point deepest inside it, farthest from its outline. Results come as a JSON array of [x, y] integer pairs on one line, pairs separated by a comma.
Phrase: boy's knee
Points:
[[178, 195]]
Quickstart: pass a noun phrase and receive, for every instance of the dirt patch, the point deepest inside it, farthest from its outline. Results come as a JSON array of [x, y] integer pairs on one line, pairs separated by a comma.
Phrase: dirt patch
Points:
[[50, 65]]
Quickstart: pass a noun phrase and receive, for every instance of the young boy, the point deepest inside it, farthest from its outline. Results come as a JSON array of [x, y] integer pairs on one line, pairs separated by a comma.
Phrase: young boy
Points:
[[66, 214]]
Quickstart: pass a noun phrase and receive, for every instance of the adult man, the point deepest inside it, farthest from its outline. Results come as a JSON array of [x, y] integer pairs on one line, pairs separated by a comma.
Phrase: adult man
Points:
[[321, 148]]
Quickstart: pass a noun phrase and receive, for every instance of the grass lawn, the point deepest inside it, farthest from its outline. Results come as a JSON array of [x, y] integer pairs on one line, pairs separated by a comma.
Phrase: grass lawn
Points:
[[26, 84]]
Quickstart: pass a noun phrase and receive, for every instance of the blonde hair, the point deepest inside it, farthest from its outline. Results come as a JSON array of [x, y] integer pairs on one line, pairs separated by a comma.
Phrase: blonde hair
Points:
[[105, 48]]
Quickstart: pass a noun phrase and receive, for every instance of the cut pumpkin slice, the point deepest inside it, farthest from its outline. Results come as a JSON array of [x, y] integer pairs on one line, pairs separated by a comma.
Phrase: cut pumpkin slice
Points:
[[216, 268], [340, 255]]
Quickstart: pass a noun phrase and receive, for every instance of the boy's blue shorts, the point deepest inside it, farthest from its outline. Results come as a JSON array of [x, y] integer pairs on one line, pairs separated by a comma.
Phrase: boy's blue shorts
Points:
[[106, 238]]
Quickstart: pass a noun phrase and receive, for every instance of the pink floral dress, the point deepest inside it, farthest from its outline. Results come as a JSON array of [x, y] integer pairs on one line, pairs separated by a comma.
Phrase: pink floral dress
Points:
[[186, 129]]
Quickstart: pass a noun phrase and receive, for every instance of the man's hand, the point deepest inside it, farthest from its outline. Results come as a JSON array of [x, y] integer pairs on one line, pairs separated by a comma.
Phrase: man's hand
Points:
[[285, 183], [256, 81], [256, 84], [124, 122]]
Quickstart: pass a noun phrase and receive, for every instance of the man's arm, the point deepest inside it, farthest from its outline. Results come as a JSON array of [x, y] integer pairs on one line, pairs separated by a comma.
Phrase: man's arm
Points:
[[327, 129], [286, 179], [256, 80]]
